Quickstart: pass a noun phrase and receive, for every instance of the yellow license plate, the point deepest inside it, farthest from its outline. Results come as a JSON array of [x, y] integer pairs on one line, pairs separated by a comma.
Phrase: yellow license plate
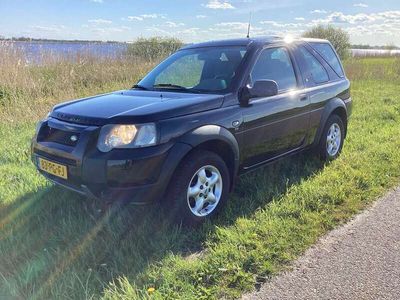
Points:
[[53, 168]]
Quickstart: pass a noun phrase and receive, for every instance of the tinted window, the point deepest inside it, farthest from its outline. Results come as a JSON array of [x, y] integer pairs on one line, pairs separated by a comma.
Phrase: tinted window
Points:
[[317, 70], [274, 64], [329, 55]]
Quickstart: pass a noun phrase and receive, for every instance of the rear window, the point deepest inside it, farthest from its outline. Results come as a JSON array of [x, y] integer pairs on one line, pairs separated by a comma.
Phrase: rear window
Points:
[[329, 55], [314, 67]]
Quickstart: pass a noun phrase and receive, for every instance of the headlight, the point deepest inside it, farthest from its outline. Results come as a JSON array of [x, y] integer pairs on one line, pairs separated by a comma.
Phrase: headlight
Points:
[[126, 136]]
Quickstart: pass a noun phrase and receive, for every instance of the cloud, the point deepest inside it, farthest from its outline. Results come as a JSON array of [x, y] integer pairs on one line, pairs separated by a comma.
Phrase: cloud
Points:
[[232, 25], [153, 16], [339, 17], [100, 21], [201, 16], [173, 24], [135, 18], [145, 16], [360, 5], [318, 11], [300, 19], [52, 28], [109, 30], [97, 1], [219, 4], [281, 25]]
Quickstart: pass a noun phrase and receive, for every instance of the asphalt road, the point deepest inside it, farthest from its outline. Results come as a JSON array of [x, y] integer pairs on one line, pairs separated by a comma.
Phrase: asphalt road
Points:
[[360, 260]]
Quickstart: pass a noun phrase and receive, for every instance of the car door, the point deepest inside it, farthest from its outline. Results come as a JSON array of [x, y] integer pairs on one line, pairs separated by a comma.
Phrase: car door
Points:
[[273, 126], [321, 82]]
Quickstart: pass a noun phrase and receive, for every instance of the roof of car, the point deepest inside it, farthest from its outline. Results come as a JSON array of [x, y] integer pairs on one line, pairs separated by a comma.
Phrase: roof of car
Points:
[[247, 41]]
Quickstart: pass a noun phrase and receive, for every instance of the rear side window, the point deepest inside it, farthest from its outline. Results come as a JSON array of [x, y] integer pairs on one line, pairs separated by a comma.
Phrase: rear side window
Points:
[[275, 64], [314, 67], [329, 55]]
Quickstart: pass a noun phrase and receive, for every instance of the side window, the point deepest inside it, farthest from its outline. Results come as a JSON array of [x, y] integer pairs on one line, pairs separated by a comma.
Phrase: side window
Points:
[[329, 55], [314, 67], [275, 64]]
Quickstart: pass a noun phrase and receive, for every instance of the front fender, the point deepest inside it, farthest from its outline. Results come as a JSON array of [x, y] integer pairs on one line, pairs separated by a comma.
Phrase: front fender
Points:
[[208, 133]]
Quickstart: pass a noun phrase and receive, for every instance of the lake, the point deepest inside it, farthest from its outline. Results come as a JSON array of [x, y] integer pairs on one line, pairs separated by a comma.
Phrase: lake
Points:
[[36, 51]]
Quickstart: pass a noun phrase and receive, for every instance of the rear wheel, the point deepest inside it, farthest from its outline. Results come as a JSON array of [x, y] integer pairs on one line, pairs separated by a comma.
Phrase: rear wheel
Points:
[[199, 188], [332, 138]]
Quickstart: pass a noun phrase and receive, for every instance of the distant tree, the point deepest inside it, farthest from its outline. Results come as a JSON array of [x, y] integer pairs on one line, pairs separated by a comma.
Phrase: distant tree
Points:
[[338, 37], [154, 48], [390, 46]]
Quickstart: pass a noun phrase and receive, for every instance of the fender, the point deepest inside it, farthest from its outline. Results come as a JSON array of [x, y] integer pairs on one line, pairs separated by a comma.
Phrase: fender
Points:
[[208, 133], [330, 106]]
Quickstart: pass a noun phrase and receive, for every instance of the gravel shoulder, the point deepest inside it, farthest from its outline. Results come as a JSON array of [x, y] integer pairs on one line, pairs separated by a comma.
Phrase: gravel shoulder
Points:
[[360, 260]]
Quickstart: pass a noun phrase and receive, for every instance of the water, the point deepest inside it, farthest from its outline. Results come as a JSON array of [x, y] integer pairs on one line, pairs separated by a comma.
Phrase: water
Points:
[[35, 51], [374, 52]]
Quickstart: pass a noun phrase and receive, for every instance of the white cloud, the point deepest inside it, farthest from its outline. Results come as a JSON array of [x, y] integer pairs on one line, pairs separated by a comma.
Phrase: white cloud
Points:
[[232, 25], [281, 25], [360, 5], [318, 11], [173, 24], [109, 30], [52, 28], [100, 21], [219, 4], [135, 18], [152, 16], [300, 19], [145, 16], [97, 1], [201, 16], [339, 17]]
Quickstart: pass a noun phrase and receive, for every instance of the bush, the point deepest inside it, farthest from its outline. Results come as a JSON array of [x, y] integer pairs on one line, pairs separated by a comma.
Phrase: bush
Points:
[[155, 48], [338, 37]]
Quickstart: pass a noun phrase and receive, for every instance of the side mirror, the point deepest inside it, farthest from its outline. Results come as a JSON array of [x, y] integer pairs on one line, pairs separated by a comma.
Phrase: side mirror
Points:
[[260, 88]]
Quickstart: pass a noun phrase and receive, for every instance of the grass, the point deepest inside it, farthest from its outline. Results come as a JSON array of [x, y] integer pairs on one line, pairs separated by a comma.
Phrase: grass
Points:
[[55, 244]]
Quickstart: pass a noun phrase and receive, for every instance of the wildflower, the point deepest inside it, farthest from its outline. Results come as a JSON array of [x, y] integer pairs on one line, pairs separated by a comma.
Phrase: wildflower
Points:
[[151, 290]]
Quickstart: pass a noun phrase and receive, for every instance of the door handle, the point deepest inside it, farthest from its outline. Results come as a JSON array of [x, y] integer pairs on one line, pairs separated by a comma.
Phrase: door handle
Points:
[[303, 97]]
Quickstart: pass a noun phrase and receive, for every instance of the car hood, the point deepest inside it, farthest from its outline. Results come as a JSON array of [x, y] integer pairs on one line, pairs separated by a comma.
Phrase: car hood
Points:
[[134, 106]]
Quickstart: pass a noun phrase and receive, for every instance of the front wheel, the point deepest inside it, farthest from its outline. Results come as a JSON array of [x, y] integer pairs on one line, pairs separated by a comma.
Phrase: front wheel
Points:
[[332, 138], [199, 188]]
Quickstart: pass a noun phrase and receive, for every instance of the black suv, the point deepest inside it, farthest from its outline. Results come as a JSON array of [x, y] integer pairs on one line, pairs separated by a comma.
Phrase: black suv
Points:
[[207, 113]]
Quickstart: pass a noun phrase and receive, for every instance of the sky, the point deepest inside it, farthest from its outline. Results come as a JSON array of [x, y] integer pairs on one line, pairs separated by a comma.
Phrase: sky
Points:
[[374, 22]]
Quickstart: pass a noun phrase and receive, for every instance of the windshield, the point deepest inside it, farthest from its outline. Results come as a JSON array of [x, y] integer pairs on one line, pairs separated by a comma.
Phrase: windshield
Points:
[[209, 70]]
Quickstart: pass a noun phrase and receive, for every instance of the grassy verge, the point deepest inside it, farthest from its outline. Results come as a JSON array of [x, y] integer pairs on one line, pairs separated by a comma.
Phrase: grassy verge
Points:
[[54, 244]]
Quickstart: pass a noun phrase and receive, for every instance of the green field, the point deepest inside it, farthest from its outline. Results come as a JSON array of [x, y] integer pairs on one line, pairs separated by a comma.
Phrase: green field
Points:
[[55, 244]]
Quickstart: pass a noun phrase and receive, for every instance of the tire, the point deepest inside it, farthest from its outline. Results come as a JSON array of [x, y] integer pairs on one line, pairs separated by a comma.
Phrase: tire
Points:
[[331, 142], [211, 186]]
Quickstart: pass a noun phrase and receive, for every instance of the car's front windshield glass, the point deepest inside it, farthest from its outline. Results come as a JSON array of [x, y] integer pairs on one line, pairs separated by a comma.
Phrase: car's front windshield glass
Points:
[[208, 70]]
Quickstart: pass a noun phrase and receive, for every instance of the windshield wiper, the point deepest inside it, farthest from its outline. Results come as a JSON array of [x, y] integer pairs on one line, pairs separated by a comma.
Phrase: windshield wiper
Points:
[[141, 87], [176, 87], [169, 86]]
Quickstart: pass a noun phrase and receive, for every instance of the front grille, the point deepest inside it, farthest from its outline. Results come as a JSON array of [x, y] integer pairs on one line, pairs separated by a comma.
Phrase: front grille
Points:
[[49, 134]]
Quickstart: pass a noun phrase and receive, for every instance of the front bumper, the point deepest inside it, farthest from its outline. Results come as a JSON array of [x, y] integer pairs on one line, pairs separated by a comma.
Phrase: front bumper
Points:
[[136, 175]]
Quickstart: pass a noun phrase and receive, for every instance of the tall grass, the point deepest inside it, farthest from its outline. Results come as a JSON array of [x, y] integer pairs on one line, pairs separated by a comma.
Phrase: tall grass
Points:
[[153, 49], [28, 90], [377, 68]]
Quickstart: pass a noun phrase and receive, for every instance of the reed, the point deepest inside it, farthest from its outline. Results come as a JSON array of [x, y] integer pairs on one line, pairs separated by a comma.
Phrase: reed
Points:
[[29, 90]]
